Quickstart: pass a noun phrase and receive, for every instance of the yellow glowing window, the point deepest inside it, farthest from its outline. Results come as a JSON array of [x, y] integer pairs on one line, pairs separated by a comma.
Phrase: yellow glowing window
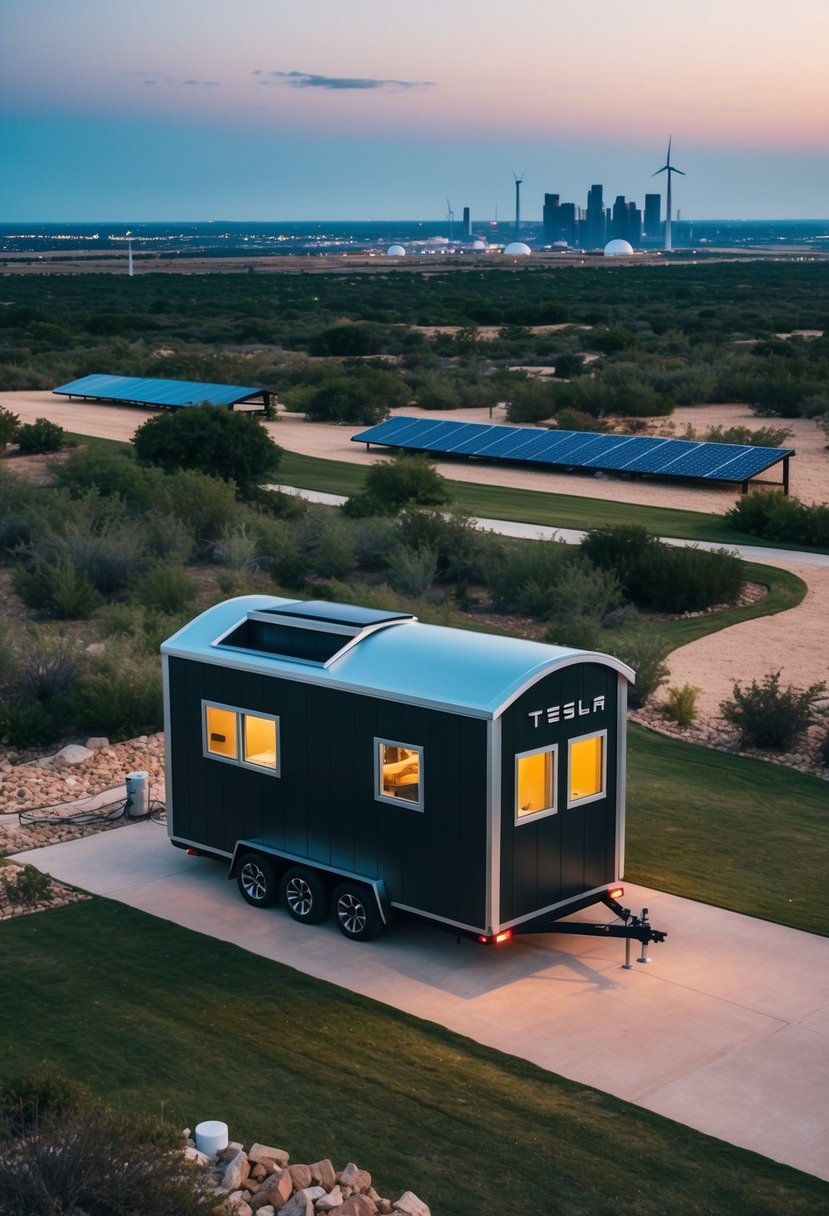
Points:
[[587, 768], [535, 783], [221, 732], [260, 741], [399, 773]]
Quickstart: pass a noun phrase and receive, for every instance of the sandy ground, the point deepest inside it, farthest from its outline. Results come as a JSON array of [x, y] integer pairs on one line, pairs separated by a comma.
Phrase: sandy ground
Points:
[[796, 643]]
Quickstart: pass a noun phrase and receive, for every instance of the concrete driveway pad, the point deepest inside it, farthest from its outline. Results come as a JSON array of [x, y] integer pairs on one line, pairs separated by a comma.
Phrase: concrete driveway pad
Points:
[[726, 1030]]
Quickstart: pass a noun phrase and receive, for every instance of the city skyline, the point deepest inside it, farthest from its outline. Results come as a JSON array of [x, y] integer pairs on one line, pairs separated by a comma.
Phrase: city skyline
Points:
[[198, 110]]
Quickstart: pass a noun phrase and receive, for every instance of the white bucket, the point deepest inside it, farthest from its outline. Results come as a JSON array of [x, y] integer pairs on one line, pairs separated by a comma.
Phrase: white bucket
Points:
[[211, 1137], [137, 805]]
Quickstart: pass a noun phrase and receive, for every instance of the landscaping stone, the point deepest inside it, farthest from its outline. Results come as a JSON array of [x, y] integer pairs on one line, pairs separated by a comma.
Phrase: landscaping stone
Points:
[[411, 1205], [263, 1154], [72, 754]]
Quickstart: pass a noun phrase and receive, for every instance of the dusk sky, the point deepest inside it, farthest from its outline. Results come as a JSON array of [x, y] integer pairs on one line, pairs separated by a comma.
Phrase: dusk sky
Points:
[[362, 109]]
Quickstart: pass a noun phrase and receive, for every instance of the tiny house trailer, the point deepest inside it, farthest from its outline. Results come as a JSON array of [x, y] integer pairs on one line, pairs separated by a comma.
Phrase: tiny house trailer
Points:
[[356, 760]]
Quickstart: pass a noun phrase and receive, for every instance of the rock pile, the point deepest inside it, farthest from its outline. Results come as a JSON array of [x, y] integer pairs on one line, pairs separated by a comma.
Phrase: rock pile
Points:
[[262, 1182], [43, 787]]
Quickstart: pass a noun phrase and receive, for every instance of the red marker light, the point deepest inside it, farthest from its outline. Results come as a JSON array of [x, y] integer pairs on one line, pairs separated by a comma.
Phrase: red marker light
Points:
[[616, 893]]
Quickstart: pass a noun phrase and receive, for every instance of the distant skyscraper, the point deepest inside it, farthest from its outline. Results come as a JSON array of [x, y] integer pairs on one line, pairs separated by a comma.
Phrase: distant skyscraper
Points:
[[595, 228], [550, 218], [467, 224], [653, 217]]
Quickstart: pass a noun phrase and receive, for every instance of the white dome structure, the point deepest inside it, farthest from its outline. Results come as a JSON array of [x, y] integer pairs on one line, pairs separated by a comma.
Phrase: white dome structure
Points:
[[478, 244], [617, 249], [396, 251], [517, 249]]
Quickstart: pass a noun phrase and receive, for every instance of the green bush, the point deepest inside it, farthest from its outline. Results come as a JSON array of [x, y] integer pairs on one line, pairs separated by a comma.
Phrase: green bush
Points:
[[413, 571], [325, 537], [457, 541], [206, 505], [28, 888], [681, 706], [581, 632], [391, 485], [9, 425], [645, 653], [48, 664], [210, 440], [64, 1153], [59, 589], [782, 518], [165, 588], [512, 569], [40, 436], [769, 716], [119, 695], [25, 724]]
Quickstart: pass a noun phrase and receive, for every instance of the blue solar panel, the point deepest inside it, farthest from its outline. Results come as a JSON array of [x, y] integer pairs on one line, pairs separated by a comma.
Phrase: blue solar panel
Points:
[[577, 449], [137, 390]]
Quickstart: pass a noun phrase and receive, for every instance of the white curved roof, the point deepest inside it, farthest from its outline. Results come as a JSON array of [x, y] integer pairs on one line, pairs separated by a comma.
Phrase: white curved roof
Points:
[[396, 251], [476, 674], [518, 249], [617, 248]]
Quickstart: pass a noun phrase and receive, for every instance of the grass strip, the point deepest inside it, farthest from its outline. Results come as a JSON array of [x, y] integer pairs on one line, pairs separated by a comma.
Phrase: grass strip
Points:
[[158, 1017], [528, 506], [727, 830]]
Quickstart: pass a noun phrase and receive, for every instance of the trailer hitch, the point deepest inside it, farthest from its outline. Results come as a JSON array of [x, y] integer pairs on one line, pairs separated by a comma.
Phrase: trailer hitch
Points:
[[632, 928]]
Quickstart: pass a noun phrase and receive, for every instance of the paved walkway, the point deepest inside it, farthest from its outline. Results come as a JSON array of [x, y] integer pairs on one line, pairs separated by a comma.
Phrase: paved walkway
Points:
[[571, 536], [726, 1030]]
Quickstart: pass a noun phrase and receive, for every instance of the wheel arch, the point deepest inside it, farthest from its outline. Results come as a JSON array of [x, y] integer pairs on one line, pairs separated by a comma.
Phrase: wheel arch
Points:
[[331, 874]]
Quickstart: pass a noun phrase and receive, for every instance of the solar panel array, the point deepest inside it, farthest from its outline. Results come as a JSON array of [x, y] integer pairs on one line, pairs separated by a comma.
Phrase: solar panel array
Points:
[[135, 390], [576, 449]]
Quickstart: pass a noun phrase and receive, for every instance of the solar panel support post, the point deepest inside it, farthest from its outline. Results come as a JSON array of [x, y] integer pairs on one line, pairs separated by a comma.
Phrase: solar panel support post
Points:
[[786, 460]]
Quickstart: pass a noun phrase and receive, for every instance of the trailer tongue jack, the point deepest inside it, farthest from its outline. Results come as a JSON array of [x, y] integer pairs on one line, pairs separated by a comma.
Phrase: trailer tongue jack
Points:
[[632, 928]]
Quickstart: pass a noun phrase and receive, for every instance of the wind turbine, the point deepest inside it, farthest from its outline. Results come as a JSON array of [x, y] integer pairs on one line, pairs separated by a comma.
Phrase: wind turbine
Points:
[[669, 169], [129, 253], [450, 219], [519, 177]]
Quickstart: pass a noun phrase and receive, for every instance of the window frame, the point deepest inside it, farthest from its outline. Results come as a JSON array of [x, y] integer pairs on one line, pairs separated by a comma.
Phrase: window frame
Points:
[[593, 734], [533, 816], [389, 799], [239, 761]]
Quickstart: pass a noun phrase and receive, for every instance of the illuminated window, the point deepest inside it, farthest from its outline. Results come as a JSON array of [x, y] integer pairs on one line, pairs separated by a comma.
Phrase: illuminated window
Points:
[[260, 741], [398, 773], [221, 732], [237, 737], [587, 768], [535, 784]]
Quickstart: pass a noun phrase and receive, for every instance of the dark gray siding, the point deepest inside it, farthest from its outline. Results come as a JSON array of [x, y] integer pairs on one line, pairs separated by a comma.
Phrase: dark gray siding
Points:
[[559, 856], [322, 807]]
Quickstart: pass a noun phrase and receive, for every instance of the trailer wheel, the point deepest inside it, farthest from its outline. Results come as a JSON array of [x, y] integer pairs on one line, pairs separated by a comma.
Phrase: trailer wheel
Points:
[[257, 880], [304, 895], [356, 912]]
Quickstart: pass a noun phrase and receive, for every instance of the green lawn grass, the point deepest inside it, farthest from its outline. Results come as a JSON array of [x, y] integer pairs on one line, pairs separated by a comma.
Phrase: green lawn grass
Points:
[[527, 506], [160, 1018], [739, 833]]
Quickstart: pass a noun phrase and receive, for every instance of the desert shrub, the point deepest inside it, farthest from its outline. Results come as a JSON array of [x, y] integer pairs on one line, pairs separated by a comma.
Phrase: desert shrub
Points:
[[48, 664], [374, 540], [391, 485], [236, 547], [40, 436], [165, 588], [769, 716], [326, 539], [9, 424], [681, 706], [110, 473], [581, 633], [111, 555], [617, 548], [63, 1152], [413, 571], [781, 517], [509, 569], [823, 750], [671, 578], [207, 505], [584, 590], [645, 653], [58, 588], [25, 724], [120, 696], [453, 536], [168, 538], [764, 436], [346, 339], [27, 888], [569, 365]]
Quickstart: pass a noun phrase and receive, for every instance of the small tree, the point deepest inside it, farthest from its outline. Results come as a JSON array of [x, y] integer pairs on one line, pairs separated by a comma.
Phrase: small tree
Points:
[[394, 484], [773, 717], [209, 439], [9, 424], [40, 436]]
